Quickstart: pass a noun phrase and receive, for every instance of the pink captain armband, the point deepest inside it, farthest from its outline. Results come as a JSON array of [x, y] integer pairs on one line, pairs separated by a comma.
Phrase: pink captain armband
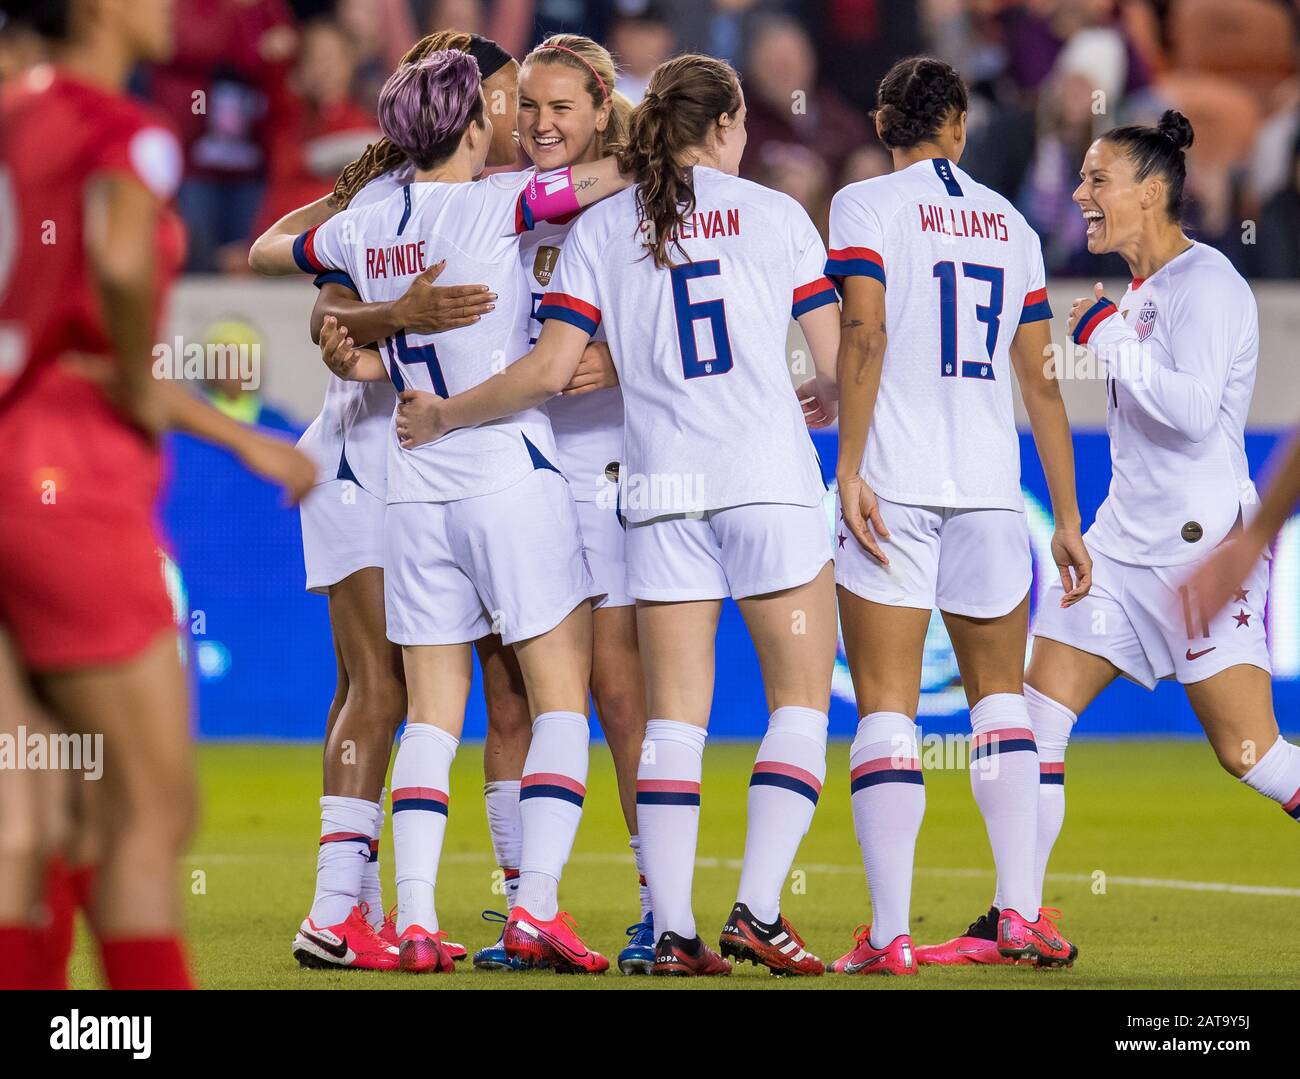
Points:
[[547, 196]]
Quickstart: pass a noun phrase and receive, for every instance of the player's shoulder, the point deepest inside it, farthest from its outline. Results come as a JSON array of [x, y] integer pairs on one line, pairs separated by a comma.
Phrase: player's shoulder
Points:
[[603, 218], [1206, 270], [883, 194]]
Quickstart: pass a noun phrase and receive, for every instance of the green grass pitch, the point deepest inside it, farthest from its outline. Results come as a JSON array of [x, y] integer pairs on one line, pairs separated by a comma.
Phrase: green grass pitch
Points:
[[1170, 874]]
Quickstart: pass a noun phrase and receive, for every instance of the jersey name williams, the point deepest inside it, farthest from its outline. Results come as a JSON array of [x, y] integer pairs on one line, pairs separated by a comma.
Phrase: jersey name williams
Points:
[[973, 224], [396, 261]]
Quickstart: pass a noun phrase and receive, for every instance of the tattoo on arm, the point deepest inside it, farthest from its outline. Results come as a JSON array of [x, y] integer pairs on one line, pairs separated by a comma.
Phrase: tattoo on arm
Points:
[[584, 183], [851, 324]]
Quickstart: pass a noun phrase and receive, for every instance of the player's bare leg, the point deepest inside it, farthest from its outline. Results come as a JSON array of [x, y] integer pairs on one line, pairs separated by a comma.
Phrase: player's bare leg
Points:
[[556, 666], [368, 706], [885, 645], [26, 844], [149, 806], [794, 632], [509, 732], [677, 656], [1235, 707]]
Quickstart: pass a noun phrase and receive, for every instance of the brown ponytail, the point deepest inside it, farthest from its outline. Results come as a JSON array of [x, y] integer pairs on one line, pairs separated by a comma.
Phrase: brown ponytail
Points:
[[382, 156], [682, 105]]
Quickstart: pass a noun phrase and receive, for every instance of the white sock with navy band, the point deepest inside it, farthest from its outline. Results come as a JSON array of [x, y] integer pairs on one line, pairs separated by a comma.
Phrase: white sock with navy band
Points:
[[783, 792], [421, 775], [888, 797], [668, 819], [1052, 724], [1276, 775], [345, 826], [372, 894], [506, 829], [551, 794], [1004, 779]]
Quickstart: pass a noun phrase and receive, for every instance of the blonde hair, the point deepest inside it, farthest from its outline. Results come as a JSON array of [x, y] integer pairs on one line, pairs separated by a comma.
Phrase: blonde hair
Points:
[[593, 61], [383, 156]]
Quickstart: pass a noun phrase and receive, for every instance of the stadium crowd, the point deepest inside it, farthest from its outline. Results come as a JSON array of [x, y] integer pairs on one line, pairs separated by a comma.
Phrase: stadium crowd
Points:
[[272, 97]]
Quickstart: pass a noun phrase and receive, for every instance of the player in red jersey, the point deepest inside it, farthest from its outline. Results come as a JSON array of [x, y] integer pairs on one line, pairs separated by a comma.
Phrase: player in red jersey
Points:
[[87, 250]]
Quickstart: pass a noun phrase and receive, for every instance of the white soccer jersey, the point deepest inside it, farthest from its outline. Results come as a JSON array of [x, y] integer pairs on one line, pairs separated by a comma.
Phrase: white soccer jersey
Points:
[[962, 269], [711, 418], [588, 428], [382, 247], [1180, 362], [349, 438]]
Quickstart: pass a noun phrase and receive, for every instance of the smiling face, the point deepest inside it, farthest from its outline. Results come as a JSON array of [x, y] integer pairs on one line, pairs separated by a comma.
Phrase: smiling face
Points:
[[1113, 201], [559, 124]]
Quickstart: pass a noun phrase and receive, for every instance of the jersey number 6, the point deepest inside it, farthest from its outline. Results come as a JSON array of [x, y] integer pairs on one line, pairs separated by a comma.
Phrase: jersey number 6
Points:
[[688, 314], [990, 314]]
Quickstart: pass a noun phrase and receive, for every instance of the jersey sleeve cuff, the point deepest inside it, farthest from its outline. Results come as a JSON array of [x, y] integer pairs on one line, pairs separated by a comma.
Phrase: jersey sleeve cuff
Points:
[[304, 253], [336, 277], [1092, 318], [570, 309], [1036, 307], [811, 296], [845, 262]]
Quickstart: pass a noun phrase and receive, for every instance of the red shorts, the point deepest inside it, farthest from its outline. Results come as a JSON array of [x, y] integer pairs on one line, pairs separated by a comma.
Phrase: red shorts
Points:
[[81, 581]]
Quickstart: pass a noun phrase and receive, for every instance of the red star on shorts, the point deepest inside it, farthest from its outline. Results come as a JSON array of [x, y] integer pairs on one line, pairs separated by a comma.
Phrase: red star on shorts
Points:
[[1241, 594], [843, 537], [1243, 619]]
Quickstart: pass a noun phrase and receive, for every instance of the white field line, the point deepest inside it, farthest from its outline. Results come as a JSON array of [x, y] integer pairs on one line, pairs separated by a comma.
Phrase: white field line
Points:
[[733, 865]]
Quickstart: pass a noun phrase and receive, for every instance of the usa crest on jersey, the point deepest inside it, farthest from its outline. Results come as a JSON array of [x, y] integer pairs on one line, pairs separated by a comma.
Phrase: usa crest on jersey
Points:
[[1146, 320]]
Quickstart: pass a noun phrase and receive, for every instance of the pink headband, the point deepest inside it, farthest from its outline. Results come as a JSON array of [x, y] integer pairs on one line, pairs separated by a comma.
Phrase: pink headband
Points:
[[585, 63]]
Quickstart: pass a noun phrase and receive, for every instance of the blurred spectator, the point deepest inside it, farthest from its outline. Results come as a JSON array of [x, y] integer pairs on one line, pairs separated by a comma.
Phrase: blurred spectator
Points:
[[223, 88], [788, 107], [380, 31], [859, 40], [1277, 238], [865, 163], [236, 389], [640, 40], [324, 128]]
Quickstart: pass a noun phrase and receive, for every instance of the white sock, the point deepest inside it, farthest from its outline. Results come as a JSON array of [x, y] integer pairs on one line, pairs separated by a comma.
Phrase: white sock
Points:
[[1004, 780], [550, 807], [372, 894], [783, 792], [421, 776], [888, 795], [501, 796], [1052, 724], [668, 819], [1276, 775], [635, 843], [345, 825]]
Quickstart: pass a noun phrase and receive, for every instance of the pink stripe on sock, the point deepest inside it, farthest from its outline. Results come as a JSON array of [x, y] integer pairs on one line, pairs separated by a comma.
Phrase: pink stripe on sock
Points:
[[553, 779], [667, 786], [1051, 768], [430, 793], [782, 769], [886, 764], [1006, 734]]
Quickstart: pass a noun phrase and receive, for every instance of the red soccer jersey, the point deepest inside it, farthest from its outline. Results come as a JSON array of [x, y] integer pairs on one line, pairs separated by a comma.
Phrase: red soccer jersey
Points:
[[57, 135]]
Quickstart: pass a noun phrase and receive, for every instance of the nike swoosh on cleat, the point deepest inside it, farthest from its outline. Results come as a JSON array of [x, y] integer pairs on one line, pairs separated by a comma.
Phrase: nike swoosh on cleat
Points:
[[338, 951], [1204, 652], [853, 968]]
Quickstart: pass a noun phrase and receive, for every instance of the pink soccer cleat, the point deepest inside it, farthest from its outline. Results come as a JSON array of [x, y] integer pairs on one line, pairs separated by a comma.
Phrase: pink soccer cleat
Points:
[[553, 944], [1040, 940], [352, 945], [896, 957], [978, 946], [422, 952]]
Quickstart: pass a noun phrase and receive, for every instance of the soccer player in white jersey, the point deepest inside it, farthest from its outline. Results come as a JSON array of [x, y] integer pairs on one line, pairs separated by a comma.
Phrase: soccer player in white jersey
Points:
[[695, 274], [454, 567], [944, 303], [1179, 351], [568, 115], [343, 538]]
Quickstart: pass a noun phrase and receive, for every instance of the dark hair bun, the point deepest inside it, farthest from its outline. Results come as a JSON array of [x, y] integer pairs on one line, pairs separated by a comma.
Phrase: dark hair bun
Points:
[[915, 99], [1176, 128]]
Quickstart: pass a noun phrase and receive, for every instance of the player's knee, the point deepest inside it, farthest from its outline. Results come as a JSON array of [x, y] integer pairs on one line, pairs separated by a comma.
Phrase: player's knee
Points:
[[379, 701]]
